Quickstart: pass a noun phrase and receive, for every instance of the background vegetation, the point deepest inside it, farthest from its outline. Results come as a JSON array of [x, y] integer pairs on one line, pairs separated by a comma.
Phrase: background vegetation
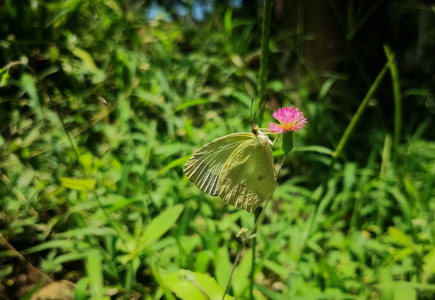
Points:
[[94, 193]]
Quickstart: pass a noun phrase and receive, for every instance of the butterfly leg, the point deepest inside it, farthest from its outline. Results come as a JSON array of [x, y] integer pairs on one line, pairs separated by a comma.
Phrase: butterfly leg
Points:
[[272, 143]]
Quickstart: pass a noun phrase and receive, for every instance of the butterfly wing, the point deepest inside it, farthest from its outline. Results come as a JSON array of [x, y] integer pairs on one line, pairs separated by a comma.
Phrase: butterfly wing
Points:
[[248, 177], [204, 167]]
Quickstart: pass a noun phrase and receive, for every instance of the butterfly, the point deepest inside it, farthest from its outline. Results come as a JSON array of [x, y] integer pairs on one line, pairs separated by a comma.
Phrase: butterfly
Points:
[[239, 168]]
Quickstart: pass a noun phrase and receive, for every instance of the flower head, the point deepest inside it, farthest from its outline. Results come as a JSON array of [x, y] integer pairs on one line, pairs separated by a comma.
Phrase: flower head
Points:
[[290, 119]]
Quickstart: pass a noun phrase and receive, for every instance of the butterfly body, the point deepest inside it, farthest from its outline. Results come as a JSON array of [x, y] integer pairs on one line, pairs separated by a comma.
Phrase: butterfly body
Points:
[[239, 168]]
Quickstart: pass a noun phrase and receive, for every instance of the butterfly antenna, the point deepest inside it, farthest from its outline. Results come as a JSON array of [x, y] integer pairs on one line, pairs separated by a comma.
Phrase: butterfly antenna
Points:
[[250, 114], [258, 108]]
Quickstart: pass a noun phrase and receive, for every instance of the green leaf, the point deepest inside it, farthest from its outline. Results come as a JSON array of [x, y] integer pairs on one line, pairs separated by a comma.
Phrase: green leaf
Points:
[[400, 237], [114, 6], [222, 266], [192, 286], [81, 292], [242, 97], [89, 65], [386, 279], [191, 103], [62, 244], [4, 77], [78, 184], [51, 265], [85, 57], [241, 274], [429, 265], [27, 84], [160, 225], [202, 261], [313, 148], [326, 87], [94, 270], [405, 293], [178, 162]]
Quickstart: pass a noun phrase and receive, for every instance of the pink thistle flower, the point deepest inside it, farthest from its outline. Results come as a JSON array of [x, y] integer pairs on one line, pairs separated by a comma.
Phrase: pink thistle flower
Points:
[[290, 119]]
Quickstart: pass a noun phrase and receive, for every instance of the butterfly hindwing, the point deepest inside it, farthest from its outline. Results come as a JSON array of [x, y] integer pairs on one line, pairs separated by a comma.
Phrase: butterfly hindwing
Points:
[[248, 177], [204, 167]]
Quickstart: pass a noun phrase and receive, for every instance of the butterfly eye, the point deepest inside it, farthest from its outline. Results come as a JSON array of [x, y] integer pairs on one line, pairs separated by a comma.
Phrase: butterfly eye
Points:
[[255, 129]]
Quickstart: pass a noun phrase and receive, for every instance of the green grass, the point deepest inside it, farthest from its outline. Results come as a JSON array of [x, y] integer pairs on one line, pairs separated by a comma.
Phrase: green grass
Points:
[[95, 194]]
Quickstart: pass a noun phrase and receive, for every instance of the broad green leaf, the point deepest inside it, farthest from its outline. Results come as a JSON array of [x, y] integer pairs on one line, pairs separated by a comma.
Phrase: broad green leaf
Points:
[[189, 285], [385, 277], [81, 292], [404, 292], [202, 262], [159, 225], [240, 279], [94, 271], [222, 266], [400, 237], [429, 265], [78, 184]]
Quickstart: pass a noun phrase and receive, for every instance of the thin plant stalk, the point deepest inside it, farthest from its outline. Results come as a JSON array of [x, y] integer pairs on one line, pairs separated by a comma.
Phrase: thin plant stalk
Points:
[[245, 241], [252, 275], [262, 87], [357, 116], [397, 100], [382, 177], [264, 58]]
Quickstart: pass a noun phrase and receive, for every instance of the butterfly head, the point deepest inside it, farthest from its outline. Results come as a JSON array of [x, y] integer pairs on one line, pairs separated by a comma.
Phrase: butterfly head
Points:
[[264, 139], [255, 130]]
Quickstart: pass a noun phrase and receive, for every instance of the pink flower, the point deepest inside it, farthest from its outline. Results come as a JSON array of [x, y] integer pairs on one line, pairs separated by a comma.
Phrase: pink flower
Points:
[[290, 119]]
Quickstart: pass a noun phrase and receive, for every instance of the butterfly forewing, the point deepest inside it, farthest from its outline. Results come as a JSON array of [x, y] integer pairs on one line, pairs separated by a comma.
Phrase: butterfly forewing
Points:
[[204, 167]]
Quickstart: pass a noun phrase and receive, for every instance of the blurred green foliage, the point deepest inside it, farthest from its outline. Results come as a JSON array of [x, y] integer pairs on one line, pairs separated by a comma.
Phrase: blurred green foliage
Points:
[[95, 194]]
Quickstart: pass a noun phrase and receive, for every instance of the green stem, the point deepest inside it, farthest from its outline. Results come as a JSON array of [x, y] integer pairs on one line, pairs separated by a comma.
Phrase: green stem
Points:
[[397, 100], [264, 58], [252, 275], [361, 109], [382, 184], [248, 237]]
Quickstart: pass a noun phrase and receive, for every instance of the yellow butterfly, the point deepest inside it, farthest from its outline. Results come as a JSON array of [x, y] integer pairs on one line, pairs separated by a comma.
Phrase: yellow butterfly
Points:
[[238, 167]]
